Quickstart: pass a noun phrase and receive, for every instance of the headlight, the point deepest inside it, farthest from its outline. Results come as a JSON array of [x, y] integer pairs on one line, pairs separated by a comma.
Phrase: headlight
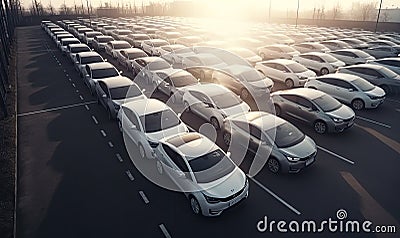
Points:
[[373, 97], [223, 115], [152, 144], [303, 77], [211, 199], [337, 120], [292, 159]]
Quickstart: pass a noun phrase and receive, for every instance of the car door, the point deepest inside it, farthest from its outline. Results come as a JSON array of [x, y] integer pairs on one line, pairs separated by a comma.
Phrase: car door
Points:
[[103, 94], [281, 72], [131, 126], [202, 105], [343, 91], [304, 110], [290, 107]]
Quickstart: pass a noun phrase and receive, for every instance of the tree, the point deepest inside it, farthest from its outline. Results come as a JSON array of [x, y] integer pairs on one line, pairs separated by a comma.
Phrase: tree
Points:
[[336, 11], [364, 11]]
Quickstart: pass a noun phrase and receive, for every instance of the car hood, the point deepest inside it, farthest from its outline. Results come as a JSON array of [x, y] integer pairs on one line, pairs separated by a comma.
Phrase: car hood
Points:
[[338, 63], [225, 186], [241, 108], [254, 59], [265, 83], [156, 136], [302, 149], [125, 100], [343, 112], [307, 74], [376, 92]]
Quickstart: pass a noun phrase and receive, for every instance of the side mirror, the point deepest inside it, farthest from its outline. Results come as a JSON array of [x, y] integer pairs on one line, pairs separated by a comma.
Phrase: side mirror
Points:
[[104, 96], [179, 115], [167, 84], [105, 60], [133, 127], [143, 90], [228, 154], [180, 174], [351, 90], [87, 75], [120, 72]]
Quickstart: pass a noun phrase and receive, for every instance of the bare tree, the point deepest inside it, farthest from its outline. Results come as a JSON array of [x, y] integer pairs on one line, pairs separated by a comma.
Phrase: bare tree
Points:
[[336, 10], [364, 11], [385, 16]]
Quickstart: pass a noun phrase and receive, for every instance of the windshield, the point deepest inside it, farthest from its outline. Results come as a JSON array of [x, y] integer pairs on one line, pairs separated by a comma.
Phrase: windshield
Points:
[[211, 166], [119, 46], [329, 58], [226, 100], [297, 68], [362, 54], [104, 40], [327, 103], [389, 73], [252, 76], [363, 85], [91, 59], [142, 37], [136, 55], [286, 135], [104, 73], [211, 61], [79, 49], [158, 65], [125, 92], [159, 121], [185, 80]]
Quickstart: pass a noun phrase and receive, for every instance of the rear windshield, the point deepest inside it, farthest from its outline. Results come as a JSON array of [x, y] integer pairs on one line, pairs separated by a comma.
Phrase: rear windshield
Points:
[[79, 49], [285, 135], [226, 100], [119, 46], [125, 92], [297, 68], [104, 73], [185, 80], [159, 121], [91, 59], [104, 40]]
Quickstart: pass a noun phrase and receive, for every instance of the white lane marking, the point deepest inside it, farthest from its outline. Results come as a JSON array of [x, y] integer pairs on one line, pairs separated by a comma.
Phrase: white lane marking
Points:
[[87, 107], [145, 199], [336, 155], [274, 195], [95, 120], [54, 109], [110, 144], [69, 79], [397, 109], [64, 69], [77, 91], [392, 100], [119, 157], [67, 75], [73, 85], [374, 122], [80, 96], [103, 133], [164, 231], [130, 176]]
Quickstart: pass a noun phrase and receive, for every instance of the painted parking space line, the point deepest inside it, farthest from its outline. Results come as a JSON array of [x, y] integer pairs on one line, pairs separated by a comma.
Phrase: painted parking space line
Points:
[[103, 133], [119, 157], [335, 155], [164, 231], [80, 96], [297, 212], [145, 199], [55, 109], [392, 100], [129, 174], [110, 144], [373, 122], [87, 107], [95, 120]]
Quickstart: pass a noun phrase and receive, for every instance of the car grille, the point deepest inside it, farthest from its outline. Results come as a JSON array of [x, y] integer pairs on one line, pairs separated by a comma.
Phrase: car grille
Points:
[[232, 196], [309, 157]]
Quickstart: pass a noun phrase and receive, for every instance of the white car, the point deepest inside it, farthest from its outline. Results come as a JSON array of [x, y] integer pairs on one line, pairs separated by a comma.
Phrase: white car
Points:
[[65, 42], [174, 53], [147, 67], [84, 58], [73, 49], [277, 51], [150, 46], [208, 177], [335, 44], [251, 57], [202, 59], [146, 122], [96, 71], [89, 36], [310, 47], [350, 89], [352, 56], [127, 56], [136, 39], [99, 42], [321, 63], [289, 72], [112, 47], [213, 102]]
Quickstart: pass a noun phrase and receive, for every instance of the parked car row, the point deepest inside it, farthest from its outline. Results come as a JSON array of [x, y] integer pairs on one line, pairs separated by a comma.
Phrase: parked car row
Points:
[[175, 58]]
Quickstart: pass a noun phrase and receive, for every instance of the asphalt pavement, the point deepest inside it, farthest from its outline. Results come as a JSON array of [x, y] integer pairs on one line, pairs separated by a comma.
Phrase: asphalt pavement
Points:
[[76, 179]]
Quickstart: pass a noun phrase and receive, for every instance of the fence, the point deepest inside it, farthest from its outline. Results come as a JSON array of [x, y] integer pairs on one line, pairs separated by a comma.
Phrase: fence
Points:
[[9, 18]]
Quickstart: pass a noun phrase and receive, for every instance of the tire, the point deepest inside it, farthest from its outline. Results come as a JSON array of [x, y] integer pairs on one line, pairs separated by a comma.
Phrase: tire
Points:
[[289, 83], [186, 106], [273, 165], [324, 71], [214, 122], [357, 104], [227, 138], [244, 94], [142, 152], [194, 204], [320, 127], [278, 110]]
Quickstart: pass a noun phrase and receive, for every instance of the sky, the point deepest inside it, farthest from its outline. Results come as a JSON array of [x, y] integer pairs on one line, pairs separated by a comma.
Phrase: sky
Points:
[[275, 4]]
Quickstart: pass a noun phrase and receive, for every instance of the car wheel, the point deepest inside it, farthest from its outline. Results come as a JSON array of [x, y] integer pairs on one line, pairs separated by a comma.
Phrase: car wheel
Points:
[[214, 122], [244, 94], [277, 110], [357, 104], [273, 165], [186, 106], [320, 127], [385, 88], [289, 83], [194, 204], [142, 152], [159, 167], [227, 138], [324, 71]]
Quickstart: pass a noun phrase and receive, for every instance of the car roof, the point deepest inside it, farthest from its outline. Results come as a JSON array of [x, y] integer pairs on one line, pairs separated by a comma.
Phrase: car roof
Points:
[[370, 66], [70, 39], [388, 58], [132, 50], [209, 89], [103, 36], [305, 92], [146, 106], [100, 65], [88, 54], [78, 45], [321, 54], [118, 81], [151, 59], [280, 61], [237, 69], [342, 76], [118, 42], [191, 144], [260, 119]]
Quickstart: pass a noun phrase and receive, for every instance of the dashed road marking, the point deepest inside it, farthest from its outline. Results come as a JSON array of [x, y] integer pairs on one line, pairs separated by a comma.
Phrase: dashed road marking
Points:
[[54, 109], [103, 133], [73, 85], [130, 176], [119, 157], [95, 120], [110, 144], [335, 155], [373, 122], [80, 96], [164, 231], [145, 199]]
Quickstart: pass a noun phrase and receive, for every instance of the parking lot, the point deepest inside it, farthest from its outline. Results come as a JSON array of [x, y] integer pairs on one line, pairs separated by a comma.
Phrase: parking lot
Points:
[[76, 179]]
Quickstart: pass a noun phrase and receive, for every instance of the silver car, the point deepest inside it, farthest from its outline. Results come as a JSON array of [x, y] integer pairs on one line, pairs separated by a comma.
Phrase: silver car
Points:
[[272, 139], [96, 71], [213, 102], [350, 89], [208, 177], [277, 51], [351, 56], [84, 58], [114, 91], [313, 107], [392, 63], [375, 74], [73, 49], [99, 42]]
